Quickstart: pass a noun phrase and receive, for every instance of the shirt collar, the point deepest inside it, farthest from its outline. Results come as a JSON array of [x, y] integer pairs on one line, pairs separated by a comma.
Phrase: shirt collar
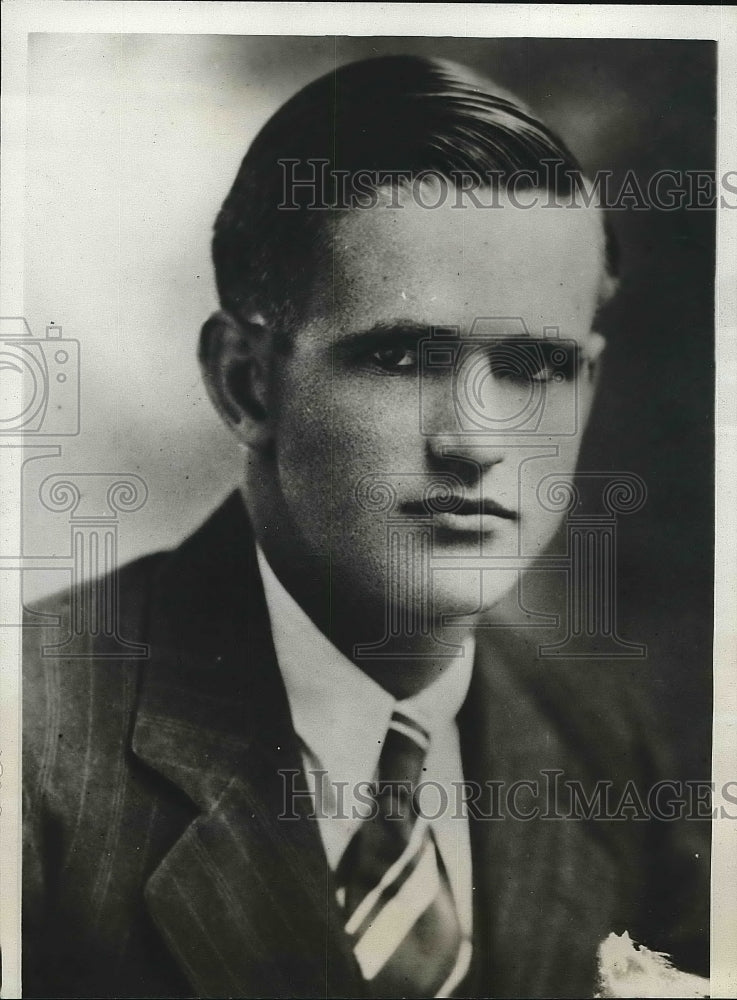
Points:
[[338, 711]]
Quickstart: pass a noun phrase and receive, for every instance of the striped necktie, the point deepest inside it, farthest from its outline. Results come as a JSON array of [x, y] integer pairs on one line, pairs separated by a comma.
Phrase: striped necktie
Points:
[[399, 907]]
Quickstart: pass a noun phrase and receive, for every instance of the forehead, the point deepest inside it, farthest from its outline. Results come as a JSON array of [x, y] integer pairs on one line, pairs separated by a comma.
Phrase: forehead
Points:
[[450, 265]]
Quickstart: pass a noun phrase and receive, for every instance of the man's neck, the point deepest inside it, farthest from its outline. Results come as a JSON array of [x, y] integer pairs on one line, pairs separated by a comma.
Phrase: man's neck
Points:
[[403, 664]]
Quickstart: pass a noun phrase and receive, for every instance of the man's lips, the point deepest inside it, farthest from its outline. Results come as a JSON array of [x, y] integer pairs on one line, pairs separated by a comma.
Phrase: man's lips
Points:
[[460, 511]]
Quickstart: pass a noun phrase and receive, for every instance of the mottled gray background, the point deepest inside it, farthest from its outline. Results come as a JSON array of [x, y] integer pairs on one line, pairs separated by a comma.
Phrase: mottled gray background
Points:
[[133, 141]]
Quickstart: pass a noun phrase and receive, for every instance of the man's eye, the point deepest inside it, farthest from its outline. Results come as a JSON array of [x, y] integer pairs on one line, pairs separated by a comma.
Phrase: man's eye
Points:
[[395, 358], [524, 364], [544, 374]]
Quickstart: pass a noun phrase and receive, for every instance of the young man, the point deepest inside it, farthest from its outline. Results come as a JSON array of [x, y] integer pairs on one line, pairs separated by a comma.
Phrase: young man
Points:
[[323, 780]]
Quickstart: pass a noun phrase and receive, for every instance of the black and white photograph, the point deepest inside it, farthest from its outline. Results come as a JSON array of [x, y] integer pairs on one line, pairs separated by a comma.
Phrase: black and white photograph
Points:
[[369, 547]]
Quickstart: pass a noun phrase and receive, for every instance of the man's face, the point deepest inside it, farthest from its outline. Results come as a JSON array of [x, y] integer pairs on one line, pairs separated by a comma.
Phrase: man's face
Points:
[[359, 403]]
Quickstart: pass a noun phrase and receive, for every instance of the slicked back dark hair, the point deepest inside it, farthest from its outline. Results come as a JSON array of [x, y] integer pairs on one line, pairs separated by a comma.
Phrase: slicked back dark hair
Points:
[[383, 115]]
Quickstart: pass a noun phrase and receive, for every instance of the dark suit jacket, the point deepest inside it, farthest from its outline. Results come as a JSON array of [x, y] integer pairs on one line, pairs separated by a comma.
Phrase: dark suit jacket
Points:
[[156, 864]]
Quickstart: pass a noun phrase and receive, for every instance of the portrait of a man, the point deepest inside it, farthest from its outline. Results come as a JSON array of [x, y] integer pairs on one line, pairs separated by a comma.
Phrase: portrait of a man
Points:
[[386, 726]]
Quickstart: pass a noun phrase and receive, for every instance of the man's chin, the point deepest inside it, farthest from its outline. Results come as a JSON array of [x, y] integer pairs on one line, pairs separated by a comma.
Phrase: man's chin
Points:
[[469, 595]]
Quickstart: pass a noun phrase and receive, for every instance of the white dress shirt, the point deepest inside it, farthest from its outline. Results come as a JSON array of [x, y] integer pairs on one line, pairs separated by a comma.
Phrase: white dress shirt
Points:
[[341, 717]]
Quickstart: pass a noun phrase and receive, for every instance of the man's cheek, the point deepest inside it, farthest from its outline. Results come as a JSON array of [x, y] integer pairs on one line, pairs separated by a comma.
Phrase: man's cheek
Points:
[[365, 440]]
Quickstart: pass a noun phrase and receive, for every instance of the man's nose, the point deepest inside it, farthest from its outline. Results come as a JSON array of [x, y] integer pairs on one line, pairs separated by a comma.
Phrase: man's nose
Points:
[[453, 447], [468, 456]]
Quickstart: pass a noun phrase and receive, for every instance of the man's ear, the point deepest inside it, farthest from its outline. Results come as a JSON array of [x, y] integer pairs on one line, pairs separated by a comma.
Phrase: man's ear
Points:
[[234, 357], [595, 346]]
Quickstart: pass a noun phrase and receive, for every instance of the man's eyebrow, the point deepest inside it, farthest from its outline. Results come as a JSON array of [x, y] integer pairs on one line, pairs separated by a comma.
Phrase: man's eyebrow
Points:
[[408, 328], [400, 327]]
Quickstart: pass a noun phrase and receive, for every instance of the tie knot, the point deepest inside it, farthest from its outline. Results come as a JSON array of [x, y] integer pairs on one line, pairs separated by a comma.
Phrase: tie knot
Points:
[[405, 747]]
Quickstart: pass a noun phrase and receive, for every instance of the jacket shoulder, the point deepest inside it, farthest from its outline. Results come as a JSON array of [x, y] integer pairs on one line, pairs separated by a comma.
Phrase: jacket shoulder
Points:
[[82, 650]]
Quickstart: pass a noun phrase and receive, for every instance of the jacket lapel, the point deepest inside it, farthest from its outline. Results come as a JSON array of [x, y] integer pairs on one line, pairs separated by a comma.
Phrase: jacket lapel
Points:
[[244, 899], [545, 887]]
